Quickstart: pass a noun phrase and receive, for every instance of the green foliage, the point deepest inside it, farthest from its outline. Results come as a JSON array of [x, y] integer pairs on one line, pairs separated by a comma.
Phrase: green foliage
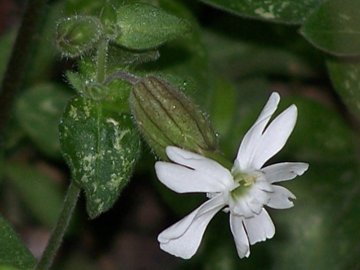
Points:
[[38, 111], [34, 188], [100, 147], [12, 251], [334, 27], [345, 76], [144, 26], [284, 11]]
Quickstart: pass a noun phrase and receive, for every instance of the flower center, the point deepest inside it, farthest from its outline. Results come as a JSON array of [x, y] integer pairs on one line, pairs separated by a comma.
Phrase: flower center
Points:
[[243, 183]]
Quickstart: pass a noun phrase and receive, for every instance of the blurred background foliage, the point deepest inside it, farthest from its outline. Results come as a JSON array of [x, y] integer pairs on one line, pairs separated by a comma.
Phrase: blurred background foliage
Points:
[[236, 53]]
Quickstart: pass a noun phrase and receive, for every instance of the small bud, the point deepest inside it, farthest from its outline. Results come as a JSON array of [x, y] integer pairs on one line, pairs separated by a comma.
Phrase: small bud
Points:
[[95, 91], [78, 34], [165, 116]]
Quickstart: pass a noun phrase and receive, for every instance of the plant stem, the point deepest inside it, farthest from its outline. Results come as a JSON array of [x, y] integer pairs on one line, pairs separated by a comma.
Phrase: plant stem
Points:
[[57, 235], [17, 64], [123, 75], [101, 61]]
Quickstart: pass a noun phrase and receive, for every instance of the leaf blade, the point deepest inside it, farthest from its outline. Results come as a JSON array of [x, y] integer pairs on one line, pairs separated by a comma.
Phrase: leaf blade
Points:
[[101, 148]]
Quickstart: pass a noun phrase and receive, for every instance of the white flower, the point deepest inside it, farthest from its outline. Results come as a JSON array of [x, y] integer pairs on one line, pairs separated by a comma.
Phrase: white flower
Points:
[[243, 192]]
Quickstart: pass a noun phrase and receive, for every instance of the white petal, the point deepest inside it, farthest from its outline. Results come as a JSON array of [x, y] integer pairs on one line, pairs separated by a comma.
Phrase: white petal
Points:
[[279, 199], [284, 171], [241, 208], [240, 237], [256, 199], [251, 139], [183, 238], [259, 228], [274, 137], [183, 179], [201, 164]]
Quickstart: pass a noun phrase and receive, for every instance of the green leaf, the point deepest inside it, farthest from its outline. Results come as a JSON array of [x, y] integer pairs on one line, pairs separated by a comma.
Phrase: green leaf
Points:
[[345, 76], [144, 26], [34, 188], [284, 11], [335, 27], [38, 111], [101, 147], [12, 250], [126, 58]]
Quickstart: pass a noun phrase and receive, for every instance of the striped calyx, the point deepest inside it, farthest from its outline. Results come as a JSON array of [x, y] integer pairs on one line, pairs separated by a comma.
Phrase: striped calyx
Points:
[[165, 116]]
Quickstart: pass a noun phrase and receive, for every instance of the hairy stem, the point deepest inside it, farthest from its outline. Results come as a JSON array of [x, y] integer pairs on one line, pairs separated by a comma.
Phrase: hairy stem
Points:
[[123, 75], [101, 59], [16, 67], [61, 226]]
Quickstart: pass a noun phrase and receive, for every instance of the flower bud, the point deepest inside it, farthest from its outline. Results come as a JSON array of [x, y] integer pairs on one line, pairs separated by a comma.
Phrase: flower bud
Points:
[[78, 34], [165, 116]]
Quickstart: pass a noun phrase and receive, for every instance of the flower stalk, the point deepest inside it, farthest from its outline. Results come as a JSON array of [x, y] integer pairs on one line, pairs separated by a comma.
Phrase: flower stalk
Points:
[[60, 228]]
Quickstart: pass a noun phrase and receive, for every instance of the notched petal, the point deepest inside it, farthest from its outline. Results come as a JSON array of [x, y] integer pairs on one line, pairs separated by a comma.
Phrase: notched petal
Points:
[[284, 171]]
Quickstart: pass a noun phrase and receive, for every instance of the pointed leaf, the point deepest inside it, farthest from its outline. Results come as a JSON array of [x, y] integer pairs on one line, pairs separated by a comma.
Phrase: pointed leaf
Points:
[[12, 251], [100, 147]]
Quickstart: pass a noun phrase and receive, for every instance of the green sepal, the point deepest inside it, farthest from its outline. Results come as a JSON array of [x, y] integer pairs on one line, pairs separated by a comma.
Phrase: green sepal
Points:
[[101, 147]]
